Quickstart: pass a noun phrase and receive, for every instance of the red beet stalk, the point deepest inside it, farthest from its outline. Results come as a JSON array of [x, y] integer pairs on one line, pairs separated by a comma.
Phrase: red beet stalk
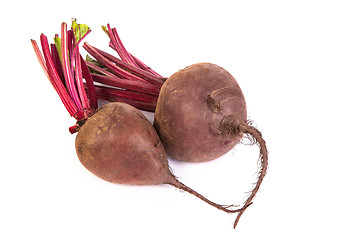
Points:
[[126, 84], [124, 73], [127, 80], [138, 100], [66, 72], [146, 75], [51, 73]]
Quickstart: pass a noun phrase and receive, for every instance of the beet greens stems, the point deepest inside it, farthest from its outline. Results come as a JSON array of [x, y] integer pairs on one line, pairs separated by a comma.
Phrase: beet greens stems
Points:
[[66, 69], [127, 78]]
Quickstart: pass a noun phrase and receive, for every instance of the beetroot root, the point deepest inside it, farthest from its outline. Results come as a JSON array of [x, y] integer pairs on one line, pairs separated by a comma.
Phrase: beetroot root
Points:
[[197, 111], [201, 114], [118, 144]]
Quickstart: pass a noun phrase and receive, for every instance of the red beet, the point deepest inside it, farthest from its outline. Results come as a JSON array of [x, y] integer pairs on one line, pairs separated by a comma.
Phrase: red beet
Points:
[[201, 115]]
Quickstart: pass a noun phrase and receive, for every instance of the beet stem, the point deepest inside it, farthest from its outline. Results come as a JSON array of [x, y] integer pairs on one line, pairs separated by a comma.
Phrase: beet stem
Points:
[[56, 60], [256, 134], [79, 79], [150, 77], [110, 65], [143, 97], [126, 96], [145, 67], [89, 84], [98, 69], [50, 71], [67, 69], [123, 51], [118, 45], [126, 84]]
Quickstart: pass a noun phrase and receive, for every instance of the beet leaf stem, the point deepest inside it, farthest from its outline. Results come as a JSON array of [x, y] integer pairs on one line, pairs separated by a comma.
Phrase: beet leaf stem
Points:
[[126, 84], [89, 84], [150, 77], [51, 73], [67, 69], [118, 95], [79, 79], [118, 45], [110, 65], [145, 67]]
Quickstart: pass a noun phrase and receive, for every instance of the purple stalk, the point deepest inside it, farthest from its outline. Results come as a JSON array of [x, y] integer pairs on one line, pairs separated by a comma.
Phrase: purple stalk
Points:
[[67, 69], [117, 95], [56, 61], [111, 66], [126, 84], [118, 45], [145, 67], [129, 94], [66, 72], [75, 60], [76, 45], [139, 63], [52, 75], [70, 46], [99, 69], [134, 69], [124, 52], [90, 85], [79, 79]]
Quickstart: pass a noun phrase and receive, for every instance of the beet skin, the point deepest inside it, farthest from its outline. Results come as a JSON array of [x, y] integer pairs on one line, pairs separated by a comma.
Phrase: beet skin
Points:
[[201, 115], [197, 113], [119, 144]]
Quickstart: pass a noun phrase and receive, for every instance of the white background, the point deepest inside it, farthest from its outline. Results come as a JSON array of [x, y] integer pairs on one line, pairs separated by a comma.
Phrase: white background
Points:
[[298, 64]]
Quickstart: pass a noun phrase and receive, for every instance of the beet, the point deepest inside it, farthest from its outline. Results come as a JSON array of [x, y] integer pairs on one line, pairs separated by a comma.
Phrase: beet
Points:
[[209, 106], [201, 115], [119, 144]]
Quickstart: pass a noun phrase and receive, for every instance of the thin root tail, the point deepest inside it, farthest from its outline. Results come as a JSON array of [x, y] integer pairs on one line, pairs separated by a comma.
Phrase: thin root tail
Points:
[[257, 136]]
